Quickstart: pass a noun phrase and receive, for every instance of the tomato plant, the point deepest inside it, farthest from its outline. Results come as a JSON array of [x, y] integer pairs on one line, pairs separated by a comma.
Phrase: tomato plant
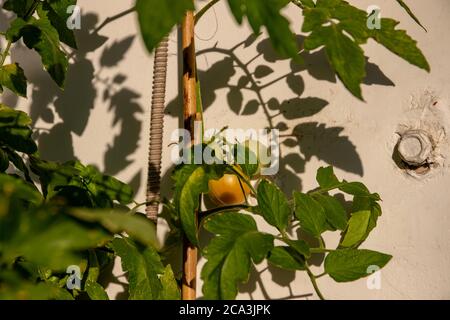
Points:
[[55, 215]]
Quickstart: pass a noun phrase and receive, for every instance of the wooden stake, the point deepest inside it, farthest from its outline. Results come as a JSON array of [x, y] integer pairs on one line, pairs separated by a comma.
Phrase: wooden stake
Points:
[[188, 289]]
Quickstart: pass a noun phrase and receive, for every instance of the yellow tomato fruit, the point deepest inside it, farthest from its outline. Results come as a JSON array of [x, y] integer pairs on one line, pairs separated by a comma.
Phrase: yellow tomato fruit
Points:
[[227, 190]]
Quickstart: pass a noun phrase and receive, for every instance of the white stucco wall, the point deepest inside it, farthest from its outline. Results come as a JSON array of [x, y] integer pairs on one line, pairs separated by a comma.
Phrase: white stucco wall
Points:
[[110, 130]]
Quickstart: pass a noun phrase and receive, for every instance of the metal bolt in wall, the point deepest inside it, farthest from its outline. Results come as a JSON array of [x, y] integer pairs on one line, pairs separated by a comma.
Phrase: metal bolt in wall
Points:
[[415, 147]]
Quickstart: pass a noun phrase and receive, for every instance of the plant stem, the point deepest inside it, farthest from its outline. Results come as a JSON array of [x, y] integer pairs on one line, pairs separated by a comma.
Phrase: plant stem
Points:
[[204, 10], [113, 18], [5, 53], [314, 282], [320, 275], [321, 243], [225, 208]]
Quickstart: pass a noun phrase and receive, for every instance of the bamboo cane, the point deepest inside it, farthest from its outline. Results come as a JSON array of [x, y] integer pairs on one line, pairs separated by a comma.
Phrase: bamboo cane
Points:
[[189, 115]]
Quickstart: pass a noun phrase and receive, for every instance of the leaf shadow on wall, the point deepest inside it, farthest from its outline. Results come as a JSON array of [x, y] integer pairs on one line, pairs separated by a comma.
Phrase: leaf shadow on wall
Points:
[[74, 104], [255, 75]]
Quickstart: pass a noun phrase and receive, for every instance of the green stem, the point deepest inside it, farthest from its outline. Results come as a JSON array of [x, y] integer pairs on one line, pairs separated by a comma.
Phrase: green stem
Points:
[[204, 10], [320, 275], [320, 250], [245, 180], [224, 208], [325, 190], [314, 282], [321, 243]]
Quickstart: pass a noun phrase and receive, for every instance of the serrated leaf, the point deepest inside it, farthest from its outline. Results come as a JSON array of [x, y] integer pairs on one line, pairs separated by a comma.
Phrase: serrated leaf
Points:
[[346, 57], [136, 226], [267, 13], [400, 43], [273, 205], [286, 258], [300, 246], [230, 253], [143, 267], [334, 211], [352, 264], [356, 230], [40, 35], [21, 189], [326, 178], [51, 241], [354, 188], [4, 161], [310, 214], [157, 18], [170, 289], [15, 131], [95, 291], [56, 11], [13, 78], [370, 204], [20, 7]]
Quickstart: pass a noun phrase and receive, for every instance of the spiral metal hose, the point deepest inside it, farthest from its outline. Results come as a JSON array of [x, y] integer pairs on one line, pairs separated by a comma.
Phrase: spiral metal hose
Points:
[[156, 129]]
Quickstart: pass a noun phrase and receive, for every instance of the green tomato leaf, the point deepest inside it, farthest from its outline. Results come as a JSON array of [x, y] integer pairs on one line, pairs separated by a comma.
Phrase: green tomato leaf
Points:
[[326, 178], [357, 229], [273, 204], [300, 246], [15, 131], [345, 56], [400, 43], [310, 214], [357, 189], [40, 35], [4, 161], [286, 258], [157, 18], [370, 204], [136, 226], [20, 7], [13, 78], [143, 266], [170, 289], [230, 253], [50, 241], [267, 13], [56, 11], [334, 211], [352, 264], [95, 291], [20, 189]]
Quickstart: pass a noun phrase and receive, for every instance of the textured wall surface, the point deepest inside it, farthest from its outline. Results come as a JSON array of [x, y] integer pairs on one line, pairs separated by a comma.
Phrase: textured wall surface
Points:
[[102, 119]]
